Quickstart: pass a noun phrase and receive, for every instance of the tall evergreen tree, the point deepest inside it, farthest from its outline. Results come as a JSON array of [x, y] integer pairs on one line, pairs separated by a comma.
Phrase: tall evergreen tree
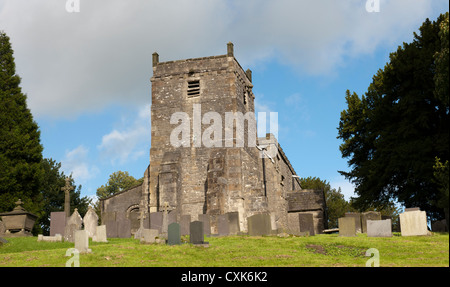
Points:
[[393, 133], [20, 147]]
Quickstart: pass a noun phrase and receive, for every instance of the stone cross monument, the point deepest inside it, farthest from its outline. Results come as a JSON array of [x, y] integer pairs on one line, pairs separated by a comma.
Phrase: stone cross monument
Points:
[[67, 188]]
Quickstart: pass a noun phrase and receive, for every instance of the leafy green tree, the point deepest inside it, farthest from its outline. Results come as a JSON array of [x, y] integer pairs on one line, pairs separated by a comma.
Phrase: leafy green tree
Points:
[[20, 148], [118, 181], [393, 132], [441, 77], [441, 175]]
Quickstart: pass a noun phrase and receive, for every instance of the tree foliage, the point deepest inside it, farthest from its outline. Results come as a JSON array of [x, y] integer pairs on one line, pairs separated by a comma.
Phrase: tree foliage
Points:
[[20, 148], [393, 132], [118, 181]]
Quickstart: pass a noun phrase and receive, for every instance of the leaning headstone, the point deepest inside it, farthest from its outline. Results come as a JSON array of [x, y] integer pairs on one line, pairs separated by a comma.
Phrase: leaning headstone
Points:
[[196, 233], [379, 228], [73, 224], [259, 224], [100, 234], [82, 241], [185, 221], [205, 218], [357, 217], [233, 223], [90, 221], [347, 226], [306, 222], [223, 225], [149, 236], [174, 234], [124, 228], [413, 223], [369, 215], [57, 222]]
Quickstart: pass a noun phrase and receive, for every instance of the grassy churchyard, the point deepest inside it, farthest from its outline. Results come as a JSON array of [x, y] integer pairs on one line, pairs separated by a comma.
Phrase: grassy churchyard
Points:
[[238, 251]]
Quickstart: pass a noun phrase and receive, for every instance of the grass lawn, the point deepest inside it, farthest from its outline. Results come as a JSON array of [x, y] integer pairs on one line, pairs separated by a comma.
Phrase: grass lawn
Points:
[[238, 251]]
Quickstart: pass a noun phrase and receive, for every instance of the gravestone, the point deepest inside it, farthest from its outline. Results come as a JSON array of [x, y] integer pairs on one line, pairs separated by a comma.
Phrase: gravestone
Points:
[[2, 228], [156, 221], [358, 218], [439, 226], [347, 226], [185, 222], [379, 228], [413, 223], [57, 222], [56, 238], [412, 209], [223, 225], [73, 224], [100, 234], [124, 228], [196, 235], [90, 222], [233, 223], [82, 241], [306, 222], [369, 215], [174, 234], [259, 224], [111, 228], [205, 218], [149, 236]]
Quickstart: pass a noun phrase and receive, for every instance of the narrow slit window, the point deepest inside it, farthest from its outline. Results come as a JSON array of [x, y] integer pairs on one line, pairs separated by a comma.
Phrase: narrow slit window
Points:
[[193, 88]]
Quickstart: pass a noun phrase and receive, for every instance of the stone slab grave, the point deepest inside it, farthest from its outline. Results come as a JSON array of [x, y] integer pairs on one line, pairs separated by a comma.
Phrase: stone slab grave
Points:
[[206, 219], [109, 220], [233, 223], [259, 224], [306, 223], [379, 228], [156, 221], [100, 234], [369, 215], [90, 222], [185, 221], [197, 234], [73, 224], [57, 222], [82, 241], [149, 236], [174, 234], [124, 228], [413, 223], [56, 238], [347, 226], [358, 218], [223, 225]]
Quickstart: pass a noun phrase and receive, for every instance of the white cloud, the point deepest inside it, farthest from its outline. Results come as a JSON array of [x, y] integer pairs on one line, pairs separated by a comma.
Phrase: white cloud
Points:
[[76, 162], [347, 188], [128, 143], [77, 62]]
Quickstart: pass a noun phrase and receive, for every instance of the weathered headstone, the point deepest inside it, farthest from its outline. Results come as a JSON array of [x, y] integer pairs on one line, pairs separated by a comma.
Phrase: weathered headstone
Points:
[[196, 235], [347, 226], [73, 223], [174, 234], [57, 223], [82, 241], [90, 222], [2, 228], [306, 222], [185, 222], [413, 223], [379, 228], [223, 225], [358, 219], [124, 228], [156, 221], [233, 223], [100, 234], [149, 236], [259, 224], [205, 218], [369, 215]]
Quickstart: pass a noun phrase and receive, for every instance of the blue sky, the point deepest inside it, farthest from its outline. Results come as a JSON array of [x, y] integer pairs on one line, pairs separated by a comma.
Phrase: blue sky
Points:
[[87, 74]]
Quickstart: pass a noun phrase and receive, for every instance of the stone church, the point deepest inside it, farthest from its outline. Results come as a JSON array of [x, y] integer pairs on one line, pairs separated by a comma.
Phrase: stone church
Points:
[[193, 179]]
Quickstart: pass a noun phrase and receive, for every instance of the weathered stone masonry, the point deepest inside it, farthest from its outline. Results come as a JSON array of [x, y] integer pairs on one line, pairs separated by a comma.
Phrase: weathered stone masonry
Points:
[[196, 179]]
